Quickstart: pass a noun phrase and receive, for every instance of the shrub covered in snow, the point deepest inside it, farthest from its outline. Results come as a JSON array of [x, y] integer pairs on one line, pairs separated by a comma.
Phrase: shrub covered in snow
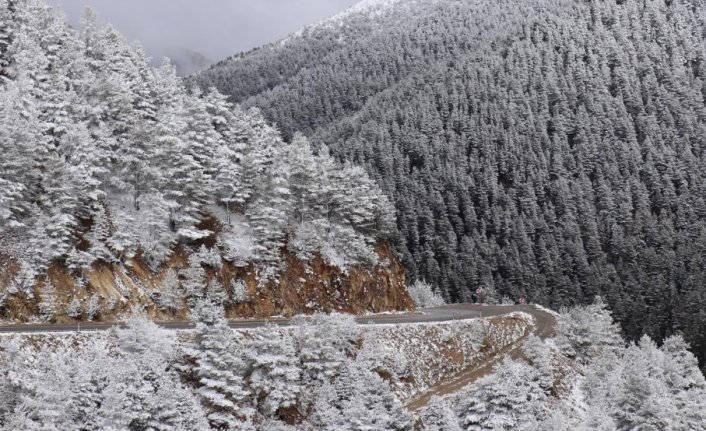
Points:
[[424, 296], [75, 309]]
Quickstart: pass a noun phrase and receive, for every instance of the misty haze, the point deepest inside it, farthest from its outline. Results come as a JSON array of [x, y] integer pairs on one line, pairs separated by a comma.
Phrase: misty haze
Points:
[[195, 34]]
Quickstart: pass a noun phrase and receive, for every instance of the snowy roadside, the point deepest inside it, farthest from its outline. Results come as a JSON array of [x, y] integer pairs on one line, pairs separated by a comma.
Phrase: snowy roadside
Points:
[[429, 353]]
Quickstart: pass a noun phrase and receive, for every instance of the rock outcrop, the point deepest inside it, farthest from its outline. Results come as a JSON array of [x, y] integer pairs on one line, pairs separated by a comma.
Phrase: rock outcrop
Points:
[[109, 292]]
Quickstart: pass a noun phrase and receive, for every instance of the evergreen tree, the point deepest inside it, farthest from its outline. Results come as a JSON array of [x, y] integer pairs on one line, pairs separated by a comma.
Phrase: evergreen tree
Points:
[[274, 376], [216, 362], [510, 398], [47, 305], [584, 332], [438, 416]]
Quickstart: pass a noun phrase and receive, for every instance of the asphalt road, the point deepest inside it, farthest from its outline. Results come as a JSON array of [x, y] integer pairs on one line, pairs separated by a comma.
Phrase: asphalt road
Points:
[[440, 314]]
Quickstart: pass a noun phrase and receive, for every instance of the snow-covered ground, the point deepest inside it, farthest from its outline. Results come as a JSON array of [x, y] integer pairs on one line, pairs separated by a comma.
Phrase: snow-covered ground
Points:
[[424, 354]]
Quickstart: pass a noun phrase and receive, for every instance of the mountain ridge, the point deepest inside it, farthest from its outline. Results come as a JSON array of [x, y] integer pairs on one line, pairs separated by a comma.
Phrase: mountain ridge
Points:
[[548, 148], [121, 188]]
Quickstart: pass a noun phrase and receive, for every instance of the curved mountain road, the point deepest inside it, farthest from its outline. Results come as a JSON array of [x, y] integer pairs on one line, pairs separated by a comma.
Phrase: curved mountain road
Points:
[[430, 315], [544, 326]]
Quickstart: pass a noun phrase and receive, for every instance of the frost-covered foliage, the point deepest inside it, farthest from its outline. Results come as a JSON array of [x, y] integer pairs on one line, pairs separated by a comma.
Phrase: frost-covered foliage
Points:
[[424, 296], [511, 398], [93, 309], [240, 292], [310, 377], [546, 148], [609, 387], [106, 159], [169, 295], [315, 371], [585, 332], [122, 381], [641, 387], [323, 343], [274, 373], [439, 416], [74, 309], [47, 304], [516, 396], [217, 364], [649, 387]]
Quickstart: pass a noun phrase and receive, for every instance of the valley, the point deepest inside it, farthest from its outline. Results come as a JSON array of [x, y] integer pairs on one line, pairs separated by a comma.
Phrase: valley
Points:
[[551, 149], [415, 215]]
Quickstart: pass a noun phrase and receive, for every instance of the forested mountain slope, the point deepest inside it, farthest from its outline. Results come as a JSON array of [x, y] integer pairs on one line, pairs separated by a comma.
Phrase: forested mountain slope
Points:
[[107, 163], [551, 148]]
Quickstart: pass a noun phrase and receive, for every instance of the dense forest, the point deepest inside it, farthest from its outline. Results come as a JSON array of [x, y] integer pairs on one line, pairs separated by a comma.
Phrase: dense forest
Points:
[[329, 373], [105, 159], [547, 148], [608, 386], [145, 377]]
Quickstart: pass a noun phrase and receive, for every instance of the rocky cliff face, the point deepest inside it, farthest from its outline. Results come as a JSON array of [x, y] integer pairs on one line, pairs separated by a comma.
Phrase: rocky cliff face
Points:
[[109, 292], [316, 286]]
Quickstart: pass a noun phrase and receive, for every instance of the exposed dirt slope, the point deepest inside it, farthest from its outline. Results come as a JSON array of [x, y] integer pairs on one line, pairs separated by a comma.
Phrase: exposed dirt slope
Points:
[[316, 286], [433, 353], [544, 327], [299, 287]]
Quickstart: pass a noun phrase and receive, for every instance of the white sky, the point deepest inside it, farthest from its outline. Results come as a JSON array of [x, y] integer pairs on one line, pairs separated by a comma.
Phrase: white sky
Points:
[[215, 28]]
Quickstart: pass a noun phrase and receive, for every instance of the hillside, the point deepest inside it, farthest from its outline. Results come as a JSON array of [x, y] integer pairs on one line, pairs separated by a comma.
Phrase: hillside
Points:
[[120, 190], [546, 148], [326, 372]]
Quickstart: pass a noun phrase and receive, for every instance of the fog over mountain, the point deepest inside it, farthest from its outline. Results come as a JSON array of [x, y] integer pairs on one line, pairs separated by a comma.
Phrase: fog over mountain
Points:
[[213, 29]]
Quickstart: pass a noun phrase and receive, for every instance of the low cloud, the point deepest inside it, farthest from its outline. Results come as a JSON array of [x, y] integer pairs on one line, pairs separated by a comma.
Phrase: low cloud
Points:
[[215, 28]]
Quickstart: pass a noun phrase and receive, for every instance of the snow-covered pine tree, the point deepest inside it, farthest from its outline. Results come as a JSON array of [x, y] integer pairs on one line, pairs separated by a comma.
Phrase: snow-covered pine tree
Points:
[[366, 401], [685, 382], [303, 184], [274, 375], [93, 309], [586, 331], [194, 281], [228, 154], [170, 295], [641, 402], [75, 309], [323, 343], [510, 398], [47, 304], [216, 362], [6, 29], [144, 391], [183, 178], [325, 412], [99, 236], [269, 214], [439, 416], [156, 238]]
